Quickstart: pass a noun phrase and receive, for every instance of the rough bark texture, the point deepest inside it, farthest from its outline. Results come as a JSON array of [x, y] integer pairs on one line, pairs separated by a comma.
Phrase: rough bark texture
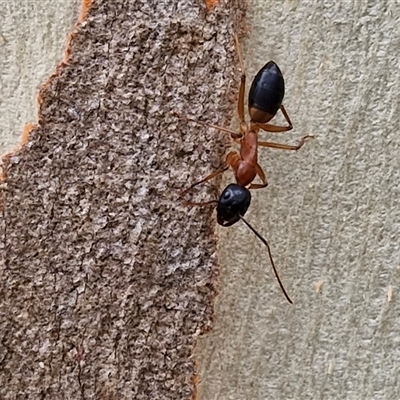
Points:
[[106, 280]]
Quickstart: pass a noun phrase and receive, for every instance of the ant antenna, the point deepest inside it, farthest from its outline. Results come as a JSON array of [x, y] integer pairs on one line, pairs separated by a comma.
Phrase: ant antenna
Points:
[[270, 257]]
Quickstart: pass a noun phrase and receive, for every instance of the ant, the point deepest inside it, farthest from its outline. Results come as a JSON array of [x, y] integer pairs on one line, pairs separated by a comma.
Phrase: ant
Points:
[[265, 99]]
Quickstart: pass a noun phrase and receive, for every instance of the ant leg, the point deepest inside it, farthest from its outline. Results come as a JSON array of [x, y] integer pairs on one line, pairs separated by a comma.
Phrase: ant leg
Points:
[[277, 128], [234, 135], [204, 204], [206, 179], [260, 172], [285, 146], [242, 81], [230, 160]]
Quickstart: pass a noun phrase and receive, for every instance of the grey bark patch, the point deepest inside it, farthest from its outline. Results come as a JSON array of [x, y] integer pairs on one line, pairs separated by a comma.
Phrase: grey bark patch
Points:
[[106, 280]]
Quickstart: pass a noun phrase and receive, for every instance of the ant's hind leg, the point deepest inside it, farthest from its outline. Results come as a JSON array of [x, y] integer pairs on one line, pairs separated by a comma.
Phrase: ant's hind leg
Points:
[[242, 81], [234, 135], [277, 128]]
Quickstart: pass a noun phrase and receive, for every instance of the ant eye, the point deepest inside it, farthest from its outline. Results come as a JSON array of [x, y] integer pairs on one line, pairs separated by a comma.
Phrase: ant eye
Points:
[[227, 194]]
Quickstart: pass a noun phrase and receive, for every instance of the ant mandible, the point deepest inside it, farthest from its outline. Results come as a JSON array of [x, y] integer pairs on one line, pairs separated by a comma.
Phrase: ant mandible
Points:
[[265, 99]]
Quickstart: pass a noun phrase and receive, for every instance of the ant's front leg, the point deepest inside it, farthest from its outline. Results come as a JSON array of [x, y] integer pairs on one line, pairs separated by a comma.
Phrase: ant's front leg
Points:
[[206, 179], [261, 174], [230, 160], [202, 204]]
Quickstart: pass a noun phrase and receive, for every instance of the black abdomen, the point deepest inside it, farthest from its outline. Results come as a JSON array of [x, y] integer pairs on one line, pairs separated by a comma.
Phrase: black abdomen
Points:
[[266, 93]]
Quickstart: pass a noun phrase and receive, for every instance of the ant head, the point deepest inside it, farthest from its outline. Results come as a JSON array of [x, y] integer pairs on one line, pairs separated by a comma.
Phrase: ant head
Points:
[[233, 203]]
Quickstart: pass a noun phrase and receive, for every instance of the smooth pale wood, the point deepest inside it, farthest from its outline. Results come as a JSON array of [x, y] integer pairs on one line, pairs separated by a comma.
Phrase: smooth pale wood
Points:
[[331, 214], [32, 42]]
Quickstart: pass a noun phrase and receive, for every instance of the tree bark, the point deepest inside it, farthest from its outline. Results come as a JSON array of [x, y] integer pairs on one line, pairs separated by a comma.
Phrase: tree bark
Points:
[[107, 279]]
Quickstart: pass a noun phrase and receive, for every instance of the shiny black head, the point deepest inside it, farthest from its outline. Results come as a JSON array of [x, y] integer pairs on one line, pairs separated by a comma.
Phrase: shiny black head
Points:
[[234, 201]]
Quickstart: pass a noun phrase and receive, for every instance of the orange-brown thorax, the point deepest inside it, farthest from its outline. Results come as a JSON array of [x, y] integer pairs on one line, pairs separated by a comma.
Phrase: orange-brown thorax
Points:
[[245, 166]]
